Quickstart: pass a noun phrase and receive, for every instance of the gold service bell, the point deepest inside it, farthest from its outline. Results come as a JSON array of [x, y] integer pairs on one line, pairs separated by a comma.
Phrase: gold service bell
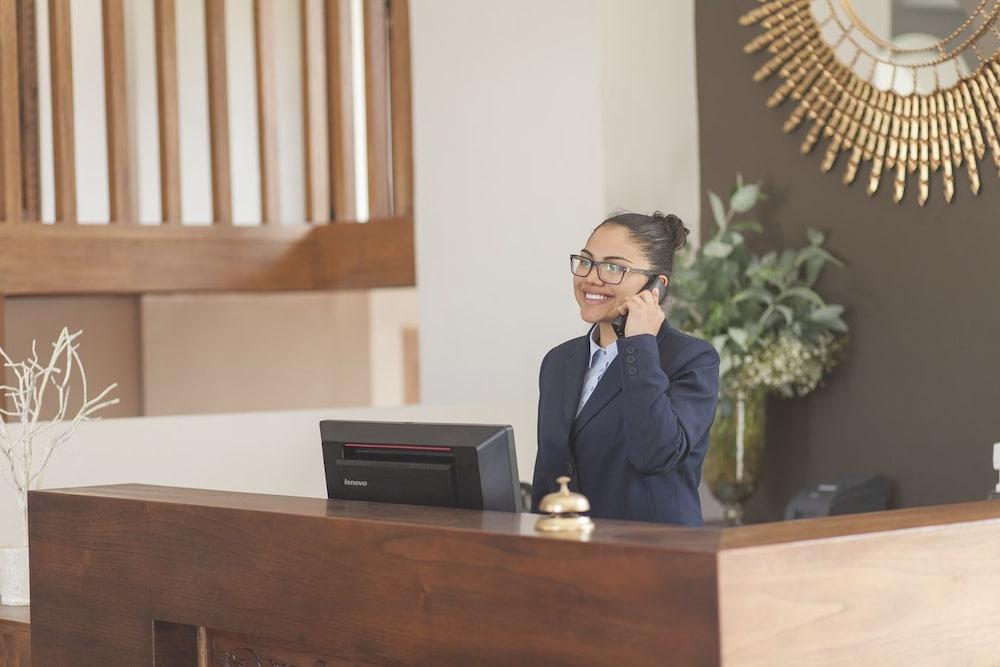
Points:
[[563, 508]]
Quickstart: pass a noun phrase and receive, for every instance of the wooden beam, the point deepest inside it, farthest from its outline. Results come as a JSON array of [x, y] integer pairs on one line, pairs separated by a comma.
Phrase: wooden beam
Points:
[[315, 120], [218, 110], [115, 259], [340, 87], [11, 206], [166, 91], [121, 209], [378, 254], [377, 97], [267, 109], [27, 58], [63, 150], [400, 107]]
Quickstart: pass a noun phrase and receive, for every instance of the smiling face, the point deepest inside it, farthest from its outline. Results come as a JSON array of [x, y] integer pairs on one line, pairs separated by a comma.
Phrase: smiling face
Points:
[[598, 300]]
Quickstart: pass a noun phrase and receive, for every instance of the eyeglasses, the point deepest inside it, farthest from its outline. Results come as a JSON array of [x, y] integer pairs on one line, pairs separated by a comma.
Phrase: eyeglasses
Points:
[[608, 272]]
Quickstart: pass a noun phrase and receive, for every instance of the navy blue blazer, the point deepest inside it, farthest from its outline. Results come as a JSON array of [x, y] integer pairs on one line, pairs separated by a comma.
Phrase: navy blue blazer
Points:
[[637, 447]]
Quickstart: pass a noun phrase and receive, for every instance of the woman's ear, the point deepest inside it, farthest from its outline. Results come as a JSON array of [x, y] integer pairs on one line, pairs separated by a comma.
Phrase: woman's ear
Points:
[[663, 290]]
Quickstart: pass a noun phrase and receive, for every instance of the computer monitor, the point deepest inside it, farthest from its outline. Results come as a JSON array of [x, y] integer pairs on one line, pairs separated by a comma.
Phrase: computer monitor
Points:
[[471, 466]]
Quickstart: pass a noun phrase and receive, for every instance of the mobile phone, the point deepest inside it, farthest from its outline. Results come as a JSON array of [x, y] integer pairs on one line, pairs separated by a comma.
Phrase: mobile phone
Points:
[[618, 324]]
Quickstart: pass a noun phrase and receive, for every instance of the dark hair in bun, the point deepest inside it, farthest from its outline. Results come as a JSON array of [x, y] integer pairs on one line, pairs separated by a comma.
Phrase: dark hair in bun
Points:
[[659, 235]]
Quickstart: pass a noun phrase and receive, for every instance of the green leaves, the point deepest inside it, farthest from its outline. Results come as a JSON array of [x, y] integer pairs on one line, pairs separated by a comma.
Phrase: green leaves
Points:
[[718, 210], [739, 336], [805, 293], [744, 302], [830, 316], [745, 197], [816, 238], [759, 293], [717, 248]]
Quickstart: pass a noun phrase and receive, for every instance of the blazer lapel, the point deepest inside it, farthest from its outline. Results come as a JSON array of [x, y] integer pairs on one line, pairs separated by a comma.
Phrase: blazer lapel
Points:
[[553, 443], [609, 386], [576, 367]]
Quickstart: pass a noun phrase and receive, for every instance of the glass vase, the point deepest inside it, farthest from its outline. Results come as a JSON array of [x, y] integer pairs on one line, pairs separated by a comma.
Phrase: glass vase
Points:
[[14, 576], [736, 445]]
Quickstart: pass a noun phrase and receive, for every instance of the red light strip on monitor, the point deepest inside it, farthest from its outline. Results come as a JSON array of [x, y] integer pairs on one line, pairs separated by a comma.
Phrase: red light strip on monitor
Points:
[[417, 448]]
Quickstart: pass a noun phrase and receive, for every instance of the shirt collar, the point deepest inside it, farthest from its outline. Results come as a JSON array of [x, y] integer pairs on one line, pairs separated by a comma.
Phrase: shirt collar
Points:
[[595, 346]]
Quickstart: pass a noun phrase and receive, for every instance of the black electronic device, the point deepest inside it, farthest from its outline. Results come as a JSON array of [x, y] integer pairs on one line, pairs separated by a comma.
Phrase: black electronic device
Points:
[[618, 324], [471, 466], [848, 495]]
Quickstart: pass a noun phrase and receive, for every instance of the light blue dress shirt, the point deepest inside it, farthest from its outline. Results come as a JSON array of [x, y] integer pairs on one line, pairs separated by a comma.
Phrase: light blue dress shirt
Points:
[[600, 359]]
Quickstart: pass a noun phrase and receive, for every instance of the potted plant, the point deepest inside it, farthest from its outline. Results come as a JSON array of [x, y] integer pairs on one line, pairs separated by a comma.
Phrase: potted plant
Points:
[[29, 437], [774, 333]]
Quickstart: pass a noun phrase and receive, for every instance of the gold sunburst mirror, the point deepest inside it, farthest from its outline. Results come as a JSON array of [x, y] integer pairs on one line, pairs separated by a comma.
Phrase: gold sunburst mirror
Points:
[[910, 88]]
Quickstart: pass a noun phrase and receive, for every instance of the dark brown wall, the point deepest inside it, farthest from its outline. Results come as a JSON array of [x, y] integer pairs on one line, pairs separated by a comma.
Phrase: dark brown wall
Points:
[[918, 394]]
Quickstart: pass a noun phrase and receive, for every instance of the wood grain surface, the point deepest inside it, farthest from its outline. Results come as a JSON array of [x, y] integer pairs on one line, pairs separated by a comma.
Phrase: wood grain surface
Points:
[[367, 583], [122, 201], [165, 15], [218, 110], [340, 105], [360, 582], [15, 637], [63, 138], [11, 203], [108, 259]]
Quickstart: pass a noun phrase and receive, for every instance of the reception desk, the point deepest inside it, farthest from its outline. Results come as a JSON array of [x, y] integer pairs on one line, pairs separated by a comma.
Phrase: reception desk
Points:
[[139, 575]]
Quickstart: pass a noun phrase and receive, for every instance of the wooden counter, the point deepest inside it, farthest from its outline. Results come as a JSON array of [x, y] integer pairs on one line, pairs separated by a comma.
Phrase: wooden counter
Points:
[[152, 575], [15, 636]]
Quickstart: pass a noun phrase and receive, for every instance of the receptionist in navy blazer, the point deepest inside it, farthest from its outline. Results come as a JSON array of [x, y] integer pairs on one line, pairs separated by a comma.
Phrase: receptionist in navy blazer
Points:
[[627, 418]]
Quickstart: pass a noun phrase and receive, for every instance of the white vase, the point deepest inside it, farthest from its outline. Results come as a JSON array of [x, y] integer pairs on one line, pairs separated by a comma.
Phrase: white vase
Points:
[[14, 576]]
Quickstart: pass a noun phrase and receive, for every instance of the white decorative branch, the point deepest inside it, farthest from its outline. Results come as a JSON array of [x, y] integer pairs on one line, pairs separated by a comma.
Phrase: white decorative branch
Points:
[[21, 405]]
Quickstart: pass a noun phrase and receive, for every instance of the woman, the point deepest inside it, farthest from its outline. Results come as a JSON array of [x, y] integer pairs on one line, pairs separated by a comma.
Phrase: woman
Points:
[[627, 418]]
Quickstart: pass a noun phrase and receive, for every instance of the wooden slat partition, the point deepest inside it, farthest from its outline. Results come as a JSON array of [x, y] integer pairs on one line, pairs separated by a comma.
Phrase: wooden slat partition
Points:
[[169, 126], [27, 58], [315, 112], [267, 112], [218, 110], [11, 206], [139, 259], [339, 85], [63, 142], [114, 259], [377, 96], [121, 209], [400, 105]]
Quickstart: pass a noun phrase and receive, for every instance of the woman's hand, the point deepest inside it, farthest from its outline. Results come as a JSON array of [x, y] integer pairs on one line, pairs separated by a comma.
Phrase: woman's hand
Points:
[[644, 314]]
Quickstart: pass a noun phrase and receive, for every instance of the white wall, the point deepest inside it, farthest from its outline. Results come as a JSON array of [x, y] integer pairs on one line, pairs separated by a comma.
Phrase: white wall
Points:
[[650, 105], [509, 175], [390, 312], [532, 120]]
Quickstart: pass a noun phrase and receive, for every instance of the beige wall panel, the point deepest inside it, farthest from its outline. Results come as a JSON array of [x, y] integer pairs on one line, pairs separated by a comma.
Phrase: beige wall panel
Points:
[[393, 311], [109, 346], [244, 352]]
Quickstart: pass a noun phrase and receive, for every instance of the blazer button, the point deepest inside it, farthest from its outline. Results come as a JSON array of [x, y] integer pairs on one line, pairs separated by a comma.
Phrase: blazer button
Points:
[[632, 370], [630, 358], [570, 468], [630, 349]]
